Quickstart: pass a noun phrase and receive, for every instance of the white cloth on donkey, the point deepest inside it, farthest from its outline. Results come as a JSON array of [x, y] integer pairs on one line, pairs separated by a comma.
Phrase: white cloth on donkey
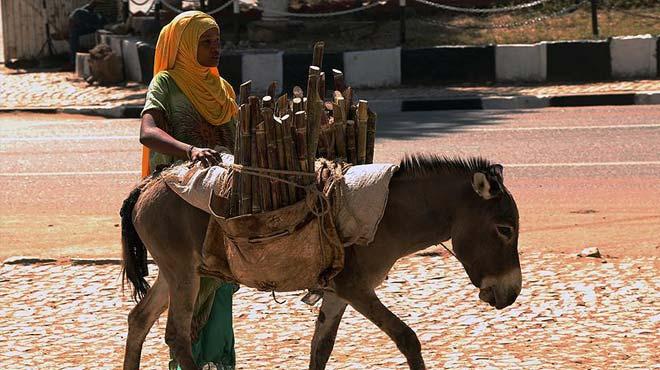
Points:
[[364, 195]]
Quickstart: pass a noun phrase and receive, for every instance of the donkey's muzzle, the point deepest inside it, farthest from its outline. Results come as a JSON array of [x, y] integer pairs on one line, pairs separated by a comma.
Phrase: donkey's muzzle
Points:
[[501, 291]]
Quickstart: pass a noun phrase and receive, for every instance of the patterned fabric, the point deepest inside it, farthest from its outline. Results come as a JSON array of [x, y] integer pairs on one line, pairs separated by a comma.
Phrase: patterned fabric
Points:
[[184, 123], [176, 53], [213, 333]]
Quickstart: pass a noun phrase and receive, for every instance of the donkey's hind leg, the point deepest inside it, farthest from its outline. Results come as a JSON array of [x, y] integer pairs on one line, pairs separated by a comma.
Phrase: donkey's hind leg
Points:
[[141, 319], [183, 291], [368, 304], [327, 323]]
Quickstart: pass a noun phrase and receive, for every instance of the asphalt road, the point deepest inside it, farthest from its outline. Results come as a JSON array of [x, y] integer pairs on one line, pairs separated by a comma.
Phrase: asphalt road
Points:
[[581, 176]]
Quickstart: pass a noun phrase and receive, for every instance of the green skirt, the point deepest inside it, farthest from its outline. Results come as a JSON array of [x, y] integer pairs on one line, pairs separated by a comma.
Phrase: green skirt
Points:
[[215, 339]]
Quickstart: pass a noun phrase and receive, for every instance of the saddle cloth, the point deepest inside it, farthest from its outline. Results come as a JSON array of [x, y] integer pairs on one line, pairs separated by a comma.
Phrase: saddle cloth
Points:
[[364, 193]]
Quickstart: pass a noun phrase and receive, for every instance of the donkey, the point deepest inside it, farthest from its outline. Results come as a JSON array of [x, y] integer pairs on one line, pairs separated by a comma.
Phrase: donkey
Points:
[[431, 199]]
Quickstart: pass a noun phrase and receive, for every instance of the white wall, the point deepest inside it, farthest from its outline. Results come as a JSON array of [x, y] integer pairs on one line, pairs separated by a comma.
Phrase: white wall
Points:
[[518, 62], [634, 56], [373, 68], [262, 69]]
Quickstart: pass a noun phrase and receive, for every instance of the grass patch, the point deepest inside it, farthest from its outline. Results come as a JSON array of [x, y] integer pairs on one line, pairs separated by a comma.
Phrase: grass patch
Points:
[[430, 30]]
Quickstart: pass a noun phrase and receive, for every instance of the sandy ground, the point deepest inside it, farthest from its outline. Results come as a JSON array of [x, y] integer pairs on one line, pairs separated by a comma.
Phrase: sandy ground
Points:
[[582, 177]]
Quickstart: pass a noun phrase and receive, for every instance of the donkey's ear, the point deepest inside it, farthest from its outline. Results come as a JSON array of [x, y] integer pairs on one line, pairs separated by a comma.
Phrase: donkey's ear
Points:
[[481, 185], [497, 170]]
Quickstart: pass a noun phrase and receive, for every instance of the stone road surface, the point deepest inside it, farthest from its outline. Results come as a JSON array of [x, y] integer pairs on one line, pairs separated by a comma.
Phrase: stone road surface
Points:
[[23, 89], [573, 313]]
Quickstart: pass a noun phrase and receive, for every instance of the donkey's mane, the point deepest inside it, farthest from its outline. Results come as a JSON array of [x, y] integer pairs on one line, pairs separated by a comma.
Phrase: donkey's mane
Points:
[[424, 165]]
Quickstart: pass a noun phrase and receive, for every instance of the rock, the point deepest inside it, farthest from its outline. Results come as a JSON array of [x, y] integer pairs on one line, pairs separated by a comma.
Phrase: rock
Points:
[[590, 252]]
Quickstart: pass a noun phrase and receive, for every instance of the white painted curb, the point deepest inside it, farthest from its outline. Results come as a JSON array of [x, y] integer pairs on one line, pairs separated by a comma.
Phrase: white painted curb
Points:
[[373, 68], [131, 59], [519, 62], [634, 56], [262, 69]]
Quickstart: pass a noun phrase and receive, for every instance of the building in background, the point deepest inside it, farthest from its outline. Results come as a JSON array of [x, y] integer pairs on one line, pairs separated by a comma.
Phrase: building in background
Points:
[[23, 32]]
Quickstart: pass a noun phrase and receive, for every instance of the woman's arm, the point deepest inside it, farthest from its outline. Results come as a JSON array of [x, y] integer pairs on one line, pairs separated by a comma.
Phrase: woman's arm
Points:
[[153, 137]]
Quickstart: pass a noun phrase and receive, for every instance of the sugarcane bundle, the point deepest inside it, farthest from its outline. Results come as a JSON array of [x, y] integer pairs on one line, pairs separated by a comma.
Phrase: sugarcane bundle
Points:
[[282, 138]]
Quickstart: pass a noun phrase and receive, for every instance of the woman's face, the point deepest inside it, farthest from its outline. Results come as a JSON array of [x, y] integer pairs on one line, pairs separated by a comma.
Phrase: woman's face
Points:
[[208, 49]]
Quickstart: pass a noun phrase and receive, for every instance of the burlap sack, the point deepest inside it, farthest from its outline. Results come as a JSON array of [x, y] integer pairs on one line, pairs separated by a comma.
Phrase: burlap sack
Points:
[[106, 67], [288, 249]]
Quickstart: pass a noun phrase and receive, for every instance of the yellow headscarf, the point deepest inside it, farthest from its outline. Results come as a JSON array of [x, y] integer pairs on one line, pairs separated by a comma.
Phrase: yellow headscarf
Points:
[[176, 55]]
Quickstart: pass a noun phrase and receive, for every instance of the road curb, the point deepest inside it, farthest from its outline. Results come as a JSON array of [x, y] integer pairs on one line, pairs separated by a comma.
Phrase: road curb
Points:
[[28, 260], [417, 104], [512, 102]]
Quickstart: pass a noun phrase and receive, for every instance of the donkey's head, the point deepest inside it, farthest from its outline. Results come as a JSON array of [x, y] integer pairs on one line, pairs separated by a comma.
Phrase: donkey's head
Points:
[[485, 237]]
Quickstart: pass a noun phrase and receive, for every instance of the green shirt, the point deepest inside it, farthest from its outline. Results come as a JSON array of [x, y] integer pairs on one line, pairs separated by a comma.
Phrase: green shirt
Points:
[[184, 123]]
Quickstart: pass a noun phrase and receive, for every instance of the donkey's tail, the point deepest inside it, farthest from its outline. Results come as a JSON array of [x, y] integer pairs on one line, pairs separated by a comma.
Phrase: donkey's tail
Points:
[[134, 254]]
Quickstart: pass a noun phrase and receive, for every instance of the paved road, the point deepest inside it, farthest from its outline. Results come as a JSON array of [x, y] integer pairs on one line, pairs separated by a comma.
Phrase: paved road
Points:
[[572, 314], [581, 176]]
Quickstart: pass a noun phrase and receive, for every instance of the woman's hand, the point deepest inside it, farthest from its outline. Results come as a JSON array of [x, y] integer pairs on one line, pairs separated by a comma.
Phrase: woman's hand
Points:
[[208, 157]]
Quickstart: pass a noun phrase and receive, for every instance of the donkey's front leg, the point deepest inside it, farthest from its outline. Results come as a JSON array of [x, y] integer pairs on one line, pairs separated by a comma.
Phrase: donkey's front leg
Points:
[[368, 304], [327, 323]]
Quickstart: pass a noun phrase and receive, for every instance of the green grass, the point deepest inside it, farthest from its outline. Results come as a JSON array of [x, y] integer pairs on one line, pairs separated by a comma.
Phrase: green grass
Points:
[[428, 30], [572, 26]]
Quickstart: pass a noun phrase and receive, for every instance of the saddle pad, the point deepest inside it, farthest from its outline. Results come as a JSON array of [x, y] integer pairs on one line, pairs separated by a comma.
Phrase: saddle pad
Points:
[[364, 193], [363, 199]]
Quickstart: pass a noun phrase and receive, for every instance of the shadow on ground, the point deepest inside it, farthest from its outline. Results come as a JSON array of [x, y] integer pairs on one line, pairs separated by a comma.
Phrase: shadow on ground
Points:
[[417, 125]]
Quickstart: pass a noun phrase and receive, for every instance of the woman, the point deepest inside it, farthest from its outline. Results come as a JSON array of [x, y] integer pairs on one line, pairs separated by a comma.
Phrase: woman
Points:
[[189, 110]]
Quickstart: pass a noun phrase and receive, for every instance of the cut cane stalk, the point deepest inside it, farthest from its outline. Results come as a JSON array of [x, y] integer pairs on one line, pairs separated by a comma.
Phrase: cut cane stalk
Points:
[[271, 146], [290, 155], [255, 115], [338, 79], [314, 111], [340, 129], [297, 105], [245, 91], [272, 88], [235, 198], [281, 159], [362, 117], [317, 59], [262, 149], [371, 136], [267, 102], [350, 142], [244, 159]]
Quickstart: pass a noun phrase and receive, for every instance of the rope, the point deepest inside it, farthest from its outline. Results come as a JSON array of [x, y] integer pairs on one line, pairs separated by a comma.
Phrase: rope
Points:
[[448, 250], [329, 14], [135, 2], [481, 10], [170, 7], [211, 12], [321, 197], [558, 13], [649, 16], [221, 7]]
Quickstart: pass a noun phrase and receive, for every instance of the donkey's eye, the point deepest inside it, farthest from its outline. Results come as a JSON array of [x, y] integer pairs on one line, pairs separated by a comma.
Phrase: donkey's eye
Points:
[[505, 231]]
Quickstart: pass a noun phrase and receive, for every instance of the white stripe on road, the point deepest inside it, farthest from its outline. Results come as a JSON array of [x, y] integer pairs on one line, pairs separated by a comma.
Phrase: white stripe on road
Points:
[[83, 173], [550, 128], [476, 129], [511, 165], [584, 164], [68, 138]]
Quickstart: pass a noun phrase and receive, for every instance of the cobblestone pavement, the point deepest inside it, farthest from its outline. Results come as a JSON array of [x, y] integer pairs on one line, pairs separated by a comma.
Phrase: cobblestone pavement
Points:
[[573, 313], [21, 89]]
